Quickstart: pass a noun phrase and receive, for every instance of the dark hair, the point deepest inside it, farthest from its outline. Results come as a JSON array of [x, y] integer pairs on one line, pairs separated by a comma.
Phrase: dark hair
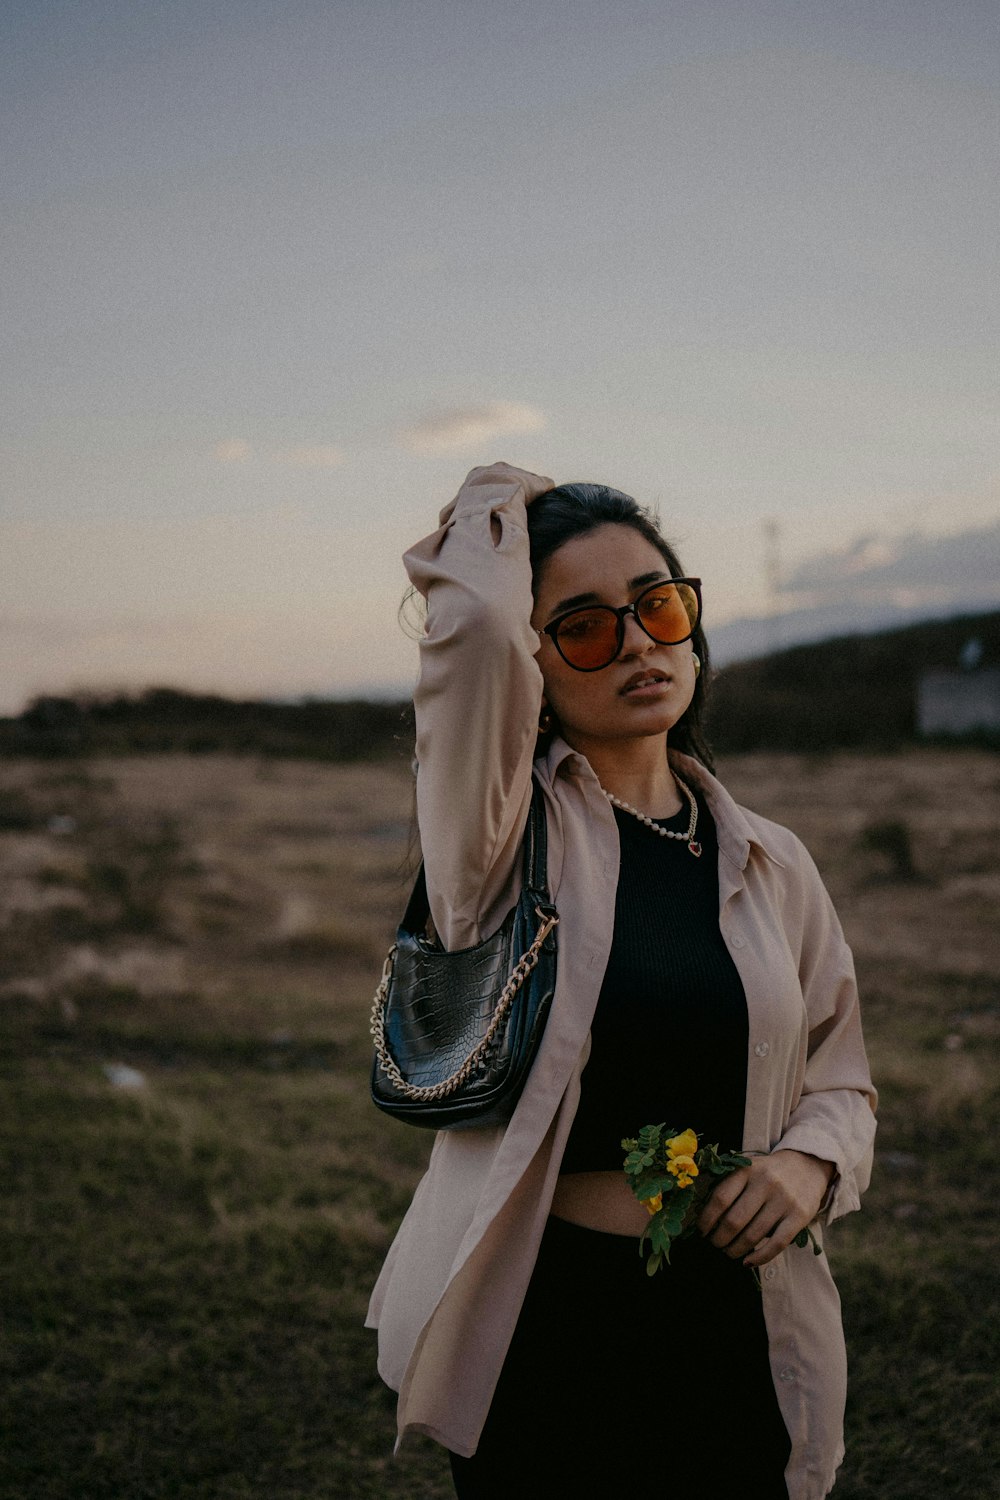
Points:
[[571, 510]]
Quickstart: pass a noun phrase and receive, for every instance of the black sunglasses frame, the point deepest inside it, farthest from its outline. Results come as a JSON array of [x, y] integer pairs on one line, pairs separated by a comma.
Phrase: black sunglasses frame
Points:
[[620, 613]]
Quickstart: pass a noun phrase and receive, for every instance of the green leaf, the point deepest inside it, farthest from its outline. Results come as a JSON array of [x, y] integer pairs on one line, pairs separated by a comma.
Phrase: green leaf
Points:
[[674, 1211], [803, 1238], [653, 1265], [659, 1235], [649, 1185]]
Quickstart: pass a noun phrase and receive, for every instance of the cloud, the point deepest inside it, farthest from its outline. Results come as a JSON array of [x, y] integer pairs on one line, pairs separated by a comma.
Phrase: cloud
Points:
[[965, 560], [876, 582], [232, 451], [469, 426], [320, 456]]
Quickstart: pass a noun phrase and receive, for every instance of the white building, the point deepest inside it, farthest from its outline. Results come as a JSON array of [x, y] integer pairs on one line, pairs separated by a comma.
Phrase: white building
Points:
[[959, 702]]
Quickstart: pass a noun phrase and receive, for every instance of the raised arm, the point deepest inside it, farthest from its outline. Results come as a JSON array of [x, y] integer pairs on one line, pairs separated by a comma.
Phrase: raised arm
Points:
[[478, 695]]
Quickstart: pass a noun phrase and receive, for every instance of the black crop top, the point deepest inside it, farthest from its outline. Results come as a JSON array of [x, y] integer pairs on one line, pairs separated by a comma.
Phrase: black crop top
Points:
[[669, 1037]]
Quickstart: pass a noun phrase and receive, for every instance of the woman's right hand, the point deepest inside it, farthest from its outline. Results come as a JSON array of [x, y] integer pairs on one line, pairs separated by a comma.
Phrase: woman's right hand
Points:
[[533, 485]]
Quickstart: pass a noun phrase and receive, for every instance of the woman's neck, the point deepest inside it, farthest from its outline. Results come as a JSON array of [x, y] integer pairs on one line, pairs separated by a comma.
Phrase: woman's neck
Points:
[[636, 771]]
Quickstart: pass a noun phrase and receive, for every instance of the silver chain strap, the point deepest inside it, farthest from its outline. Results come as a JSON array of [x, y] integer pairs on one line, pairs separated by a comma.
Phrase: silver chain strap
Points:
[[448, 1086]]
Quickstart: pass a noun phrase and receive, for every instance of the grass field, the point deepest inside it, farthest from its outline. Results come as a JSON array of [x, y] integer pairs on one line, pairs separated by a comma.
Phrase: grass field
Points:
[[197, 1193]]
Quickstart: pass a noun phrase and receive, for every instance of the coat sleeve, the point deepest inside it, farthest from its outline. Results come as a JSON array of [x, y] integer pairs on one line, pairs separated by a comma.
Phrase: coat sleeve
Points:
[[477, 697], [834, 1118]]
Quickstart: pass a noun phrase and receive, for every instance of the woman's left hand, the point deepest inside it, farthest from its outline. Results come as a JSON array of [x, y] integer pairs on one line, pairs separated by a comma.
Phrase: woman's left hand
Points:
[[757, 1211]]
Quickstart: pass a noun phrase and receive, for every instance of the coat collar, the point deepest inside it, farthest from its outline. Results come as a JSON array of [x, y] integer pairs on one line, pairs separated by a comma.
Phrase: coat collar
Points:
[[735, 831]]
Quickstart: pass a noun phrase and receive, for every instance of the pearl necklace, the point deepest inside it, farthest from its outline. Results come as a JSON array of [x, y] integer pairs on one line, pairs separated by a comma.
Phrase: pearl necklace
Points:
[[665, 833]]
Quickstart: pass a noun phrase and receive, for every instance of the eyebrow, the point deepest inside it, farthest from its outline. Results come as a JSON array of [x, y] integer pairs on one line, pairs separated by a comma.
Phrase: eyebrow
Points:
[[634, 583]]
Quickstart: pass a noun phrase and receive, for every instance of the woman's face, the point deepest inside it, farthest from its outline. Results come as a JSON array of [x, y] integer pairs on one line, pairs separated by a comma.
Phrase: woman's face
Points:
[[614, 564]]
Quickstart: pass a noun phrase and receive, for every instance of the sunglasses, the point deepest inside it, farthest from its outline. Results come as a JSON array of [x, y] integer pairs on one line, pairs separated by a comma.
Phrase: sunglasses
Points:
[[590, 638]]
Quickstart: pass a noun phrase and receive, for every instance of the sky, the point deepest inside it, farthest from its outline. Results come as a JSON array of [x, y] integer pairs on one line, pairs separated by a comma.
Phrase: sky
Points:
[[275, 276]]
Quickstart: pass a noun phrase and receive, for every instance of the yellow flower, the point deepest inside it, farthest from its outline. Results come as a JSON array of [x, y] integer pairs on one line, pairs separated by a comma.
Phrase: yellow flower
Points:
[[684, 1169], [685, 1144], [652, 1205]]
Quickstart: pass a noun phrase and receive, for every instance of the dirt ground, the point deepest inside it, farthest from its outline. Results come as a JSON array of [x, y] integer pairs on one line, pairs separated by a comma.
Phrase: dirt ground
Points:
[[199, 1193]]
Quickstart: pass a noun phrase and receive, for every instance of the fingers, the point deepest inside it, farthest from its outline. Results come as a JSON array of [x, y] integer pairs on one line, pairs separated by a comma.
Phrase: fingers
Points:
[[724, 1195], [772, 1244], [749, 1220], [755, 1213]]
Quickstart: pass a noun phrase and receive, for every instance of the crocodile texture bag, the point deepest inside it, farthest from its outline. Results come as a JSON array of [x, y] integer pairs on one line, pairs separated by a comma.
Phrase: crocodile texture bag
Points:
[[456, 1033]]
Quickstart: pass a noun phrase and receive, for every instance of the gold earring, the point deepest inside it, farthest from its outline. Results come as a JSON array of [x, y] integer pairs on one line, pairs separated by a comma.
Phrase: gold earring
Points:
[[545, 720], [696, 659]]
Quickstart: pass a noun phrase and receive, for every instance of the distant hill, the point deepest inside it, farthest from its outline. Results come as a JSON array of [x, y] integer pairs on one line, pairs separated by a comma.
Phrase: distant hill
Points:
[[166, 719], [853, 691]]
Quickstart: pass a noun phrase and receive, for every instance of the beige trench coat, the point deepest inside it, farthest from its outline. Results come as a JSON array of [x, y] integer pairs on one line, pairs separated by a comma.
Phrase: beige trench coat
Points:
[[449, 1294]]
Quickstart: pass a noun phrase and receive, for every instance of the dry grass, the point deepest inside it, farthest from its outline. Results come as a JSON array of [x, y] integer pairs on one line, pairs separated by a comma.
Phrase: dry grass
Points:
[[186, 1260]]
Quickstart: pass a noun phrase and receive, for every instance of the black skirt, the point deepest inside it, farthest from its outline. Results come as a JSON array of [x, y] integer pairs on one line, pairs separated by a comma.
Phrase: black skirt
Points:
[[620, 1383]]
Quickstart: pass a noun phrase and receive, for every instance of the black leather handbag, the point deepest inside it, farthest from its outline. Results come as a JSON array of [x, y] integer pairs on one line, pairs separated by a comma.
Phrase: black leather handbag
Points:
[[456, 1033]]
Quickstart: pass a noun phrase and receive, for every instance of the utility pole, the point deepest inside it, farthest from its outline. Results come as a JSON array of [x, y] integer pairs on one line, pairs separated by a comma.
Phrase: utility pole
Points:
[[771, 528]]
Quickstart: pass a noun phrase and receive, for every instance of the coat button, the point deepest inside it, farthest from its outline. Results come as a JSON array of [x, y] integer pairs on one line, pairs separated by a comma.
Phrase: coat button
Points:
[[762, 1049], [739, 942], [770, 1273], [787, 1374]]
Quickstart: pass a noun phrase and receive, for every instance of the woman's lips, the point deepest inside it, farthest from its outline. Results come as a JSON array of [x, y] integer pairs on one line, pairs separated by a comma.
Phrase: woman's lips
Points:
[[651, 689]]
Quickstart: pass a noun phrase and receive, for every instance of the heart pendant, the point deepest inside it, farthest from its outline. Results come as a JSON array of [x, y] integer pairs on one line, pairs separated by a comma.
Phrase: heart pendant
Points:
[[695, 848]]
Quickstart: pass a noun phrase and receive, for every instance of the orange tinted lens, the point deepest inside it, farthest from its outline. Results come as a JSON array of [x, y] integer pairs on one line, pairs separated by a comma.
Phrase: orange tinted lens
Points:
[[669, 613], [589, 638]]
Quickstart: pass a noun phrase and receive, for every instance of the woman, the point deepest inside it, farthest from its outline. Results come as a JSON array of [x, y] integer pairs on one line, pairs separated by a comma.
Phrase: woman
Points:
[[715, 992]]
